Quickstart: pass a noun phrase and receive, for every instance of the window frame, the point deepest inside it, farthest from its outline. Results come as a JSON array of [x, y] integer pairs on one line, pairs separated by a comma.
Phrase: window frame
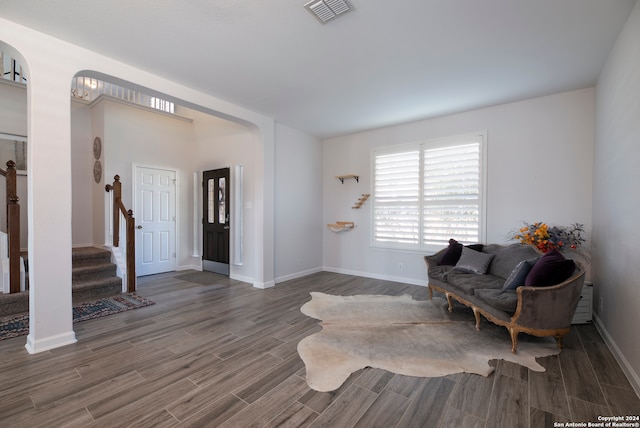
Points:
[[421, 146]]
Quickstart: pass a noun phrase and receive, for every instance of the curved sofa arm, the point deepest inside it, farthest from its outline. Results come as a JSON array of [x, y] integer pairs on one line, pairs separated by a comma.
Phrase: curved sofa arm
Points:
[[549, 307], [433, 259]]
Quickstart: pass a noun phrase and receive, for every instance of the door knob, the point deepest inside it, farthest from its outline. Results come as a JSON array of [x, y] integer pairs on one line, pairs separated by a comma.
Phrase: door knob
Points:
[[139, 227]]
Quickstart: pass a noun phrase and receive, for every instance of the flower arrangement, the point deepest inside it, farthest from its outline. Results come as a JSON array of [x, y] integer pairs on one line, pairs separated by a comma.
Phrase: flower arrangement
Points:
[[546, 238]]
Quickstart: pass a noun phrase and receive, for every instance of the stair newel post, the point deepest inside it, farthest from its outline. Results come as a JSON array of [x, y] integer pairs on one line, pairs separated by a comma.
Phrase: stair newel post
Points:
[[11, 185], [131, 252], [116, 187], [130, 232], [117, 196], [13, 225]]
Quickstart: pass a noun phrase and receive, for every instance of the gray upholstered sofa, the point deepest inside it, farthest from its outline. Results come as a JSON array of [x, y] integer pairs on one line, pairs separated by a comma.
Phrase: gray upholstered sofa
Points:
[[544, 307]]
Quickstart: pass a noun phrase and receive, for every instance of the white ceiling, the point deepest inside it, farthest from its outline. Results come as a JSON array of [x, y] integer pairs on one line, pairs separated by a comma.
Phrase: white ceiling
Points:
[[385, 62]]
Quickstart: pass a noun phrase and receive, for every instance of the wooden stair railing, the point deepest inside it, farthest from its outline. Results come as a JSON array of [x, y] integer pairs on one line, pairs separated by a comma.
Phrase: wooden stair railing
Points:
[[119, 208], [13, 226]]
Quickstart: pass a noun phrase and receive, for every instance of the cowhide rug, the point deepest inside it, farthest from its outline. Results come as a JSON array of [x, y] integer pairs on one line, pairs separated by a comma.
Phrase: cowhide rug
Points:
[[405, 336]]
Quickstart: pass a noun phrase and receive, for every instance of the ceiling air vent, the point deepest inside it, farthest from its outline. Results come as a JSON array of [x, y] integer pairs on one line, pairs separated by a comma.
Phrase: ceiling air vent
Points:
[[326, 10]]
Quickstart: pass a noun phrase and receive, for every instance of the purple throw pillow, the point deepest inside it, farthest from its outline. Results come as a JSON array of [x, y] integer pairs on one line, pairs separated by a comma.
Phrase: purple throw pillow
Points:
[[454, 251], [551, 269], [452, 255]]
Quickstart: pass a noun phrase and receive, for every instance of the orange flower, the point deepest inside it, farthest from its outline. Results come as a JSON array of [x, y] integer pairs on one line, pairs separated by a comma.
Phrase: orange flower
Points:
[[546, 238]]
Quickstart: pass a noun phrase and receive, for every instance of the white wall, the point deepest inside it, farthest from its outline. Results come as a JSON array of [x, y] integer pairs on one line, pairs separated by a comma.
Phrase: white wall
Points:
[[220, 143], [540, 153], [13, 108], [99, 196], [137, 137], [82, 176], [617, 200], [298, 183]]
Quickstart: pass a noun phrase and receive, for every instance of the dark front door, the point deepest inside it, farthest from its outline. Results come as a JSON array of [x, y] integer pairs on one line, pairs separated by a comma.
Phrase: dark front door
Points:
[[215, 228]]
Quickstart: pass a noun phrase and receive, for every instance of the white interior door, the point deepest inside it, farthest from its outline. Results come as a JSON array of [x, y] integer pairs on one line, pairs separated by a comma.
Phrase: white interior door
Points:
[[155, 215]]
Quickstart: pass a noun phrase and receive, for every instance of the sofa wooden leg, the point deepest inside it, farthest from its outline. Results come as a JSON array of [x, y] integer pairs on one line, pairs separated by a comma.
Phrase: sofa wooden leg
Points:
[[430, 293], [559, 341], [514, 340], [449, 302], [476, 313]]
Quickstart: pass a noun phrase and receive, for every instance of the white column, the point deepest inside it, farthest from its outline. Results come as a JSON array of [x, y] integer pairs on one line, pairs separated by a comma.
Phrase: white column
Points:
[[264, 276], [197, 214], [237, 213], [49, 202]]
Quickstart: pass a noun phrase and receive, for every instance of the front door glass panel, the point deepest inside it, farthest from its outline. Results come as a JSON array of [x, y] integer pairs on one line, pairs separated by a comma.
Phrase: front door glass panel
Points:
[[222, 201]]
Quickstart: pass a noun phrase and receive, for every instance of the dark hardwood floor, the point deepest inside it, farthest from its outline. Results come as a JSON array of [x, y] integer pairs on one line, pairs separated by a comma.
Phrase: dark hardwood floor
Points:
[[220, 353]]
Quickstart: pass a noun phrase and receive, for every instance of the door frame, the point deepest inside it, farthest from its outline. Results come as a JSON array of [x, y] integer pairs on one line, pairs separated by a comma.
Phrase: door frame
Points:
[[134, 192]]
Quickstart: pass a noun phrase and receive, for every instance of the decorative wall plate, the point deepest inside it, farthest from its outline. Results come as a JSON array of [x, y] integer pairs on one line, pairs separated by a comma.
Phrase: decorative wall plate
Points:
[[97, 147], [97, 171]]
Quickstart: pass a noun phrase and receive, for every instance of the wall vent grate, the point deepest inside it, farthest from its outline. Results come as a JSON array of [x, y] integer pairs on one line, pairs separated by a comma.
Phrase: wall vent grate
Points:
[[326, 10]]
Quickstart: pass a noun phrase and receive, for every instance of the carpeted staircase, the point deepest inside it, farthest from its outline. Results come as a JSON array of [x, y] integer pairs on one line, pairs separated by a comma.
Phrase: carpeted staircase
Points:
[[93, 276]]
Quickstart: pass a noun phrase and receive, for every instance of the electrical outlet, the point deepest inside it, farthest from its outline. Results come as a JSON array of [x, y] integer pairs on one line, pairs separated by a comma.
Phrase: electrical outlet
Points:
[[601, 305], [401, 266]]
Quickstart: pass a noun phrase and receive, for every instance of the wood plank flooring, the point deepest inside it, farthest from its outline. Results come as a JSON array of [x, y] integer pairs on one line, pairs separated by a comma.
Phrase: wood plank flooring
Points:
[[219, 353]]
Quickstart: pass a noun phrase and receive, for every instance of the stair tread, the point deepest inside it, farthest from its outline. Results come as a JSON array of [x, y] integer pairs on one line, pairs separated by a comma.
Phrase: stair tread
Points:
[[89, 250], [93, 274], [81, 253], [88, 254], [93, 267], [80, 283]]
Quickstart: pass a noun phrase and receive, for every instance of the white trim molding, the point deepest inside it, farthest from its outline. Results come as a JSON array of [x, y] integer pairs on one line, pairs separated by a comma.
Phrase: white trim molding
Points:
[[51, 342], [631, 375]]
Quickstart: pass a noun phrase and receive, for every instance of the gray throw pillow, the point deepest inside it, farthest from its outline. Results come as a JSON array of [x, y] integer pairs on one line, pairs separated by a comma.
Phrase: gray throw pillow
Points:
[[519, 274], [474, 261]]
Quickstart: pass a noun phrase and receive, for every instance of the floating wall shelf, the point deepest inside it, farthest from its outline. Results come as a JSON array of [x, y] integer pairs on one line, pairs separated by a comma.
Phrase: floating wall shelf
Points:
[[340, 226], [343, 177], [360, 201]]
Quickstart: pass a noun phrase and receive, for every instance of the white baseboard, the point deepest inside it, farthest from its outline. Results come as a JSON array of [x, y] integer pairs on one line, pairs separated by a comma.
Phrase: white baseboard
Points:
[[297, 275], [189, 267], [241, 278], [632, 376], [264, 285], [269, 284], [41, 345], [412, 281]]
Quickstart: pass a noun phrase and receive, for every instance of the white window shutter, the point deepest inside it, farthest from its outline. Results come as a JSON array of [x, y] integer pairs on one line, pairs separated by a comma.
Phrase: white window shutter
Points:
[[427, 193], [396, 205], [451, 194]]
